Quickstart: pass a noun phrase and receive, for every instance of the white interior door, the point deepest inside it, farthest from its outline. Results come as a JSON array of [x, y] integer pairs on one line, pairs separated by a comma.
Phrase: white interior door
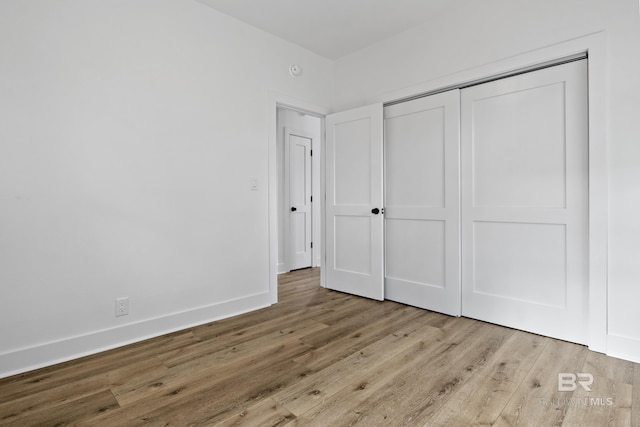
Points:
[[422, 208], [524, 202], [298, 180], [353, 208]]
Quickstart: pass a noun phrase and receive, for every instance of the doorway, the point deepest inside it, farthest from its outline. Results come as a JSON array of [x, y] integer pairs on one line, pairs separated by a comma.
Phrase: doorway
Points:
[[298, 180]]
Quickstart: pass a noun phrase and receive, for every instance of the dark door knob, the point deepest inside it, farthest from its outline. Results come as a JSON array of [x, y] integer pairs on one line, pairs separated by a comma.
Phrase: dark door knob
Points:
[[293, 209], [375, 211]]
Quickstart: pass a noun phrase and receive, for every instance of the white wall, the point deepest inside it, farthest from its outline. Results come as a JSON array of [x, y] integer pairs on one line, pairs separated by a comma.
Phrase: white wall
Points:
[[130, 131], [624, 176], [482, 33], [311, 125]]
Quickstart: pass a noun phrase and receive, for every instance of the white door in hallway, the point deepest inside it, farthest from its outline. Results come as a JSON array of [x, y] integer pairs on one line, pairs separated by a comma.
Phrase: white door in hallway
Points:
[[353, 206], [524, 148], [422, 208], [298, 176]]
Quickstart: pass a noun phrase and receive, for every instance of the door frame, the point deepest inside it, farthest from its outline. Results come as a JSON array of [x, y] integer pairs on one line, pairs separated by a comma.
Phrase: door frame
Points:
[[279, 100], [287, 196], [594, 45]]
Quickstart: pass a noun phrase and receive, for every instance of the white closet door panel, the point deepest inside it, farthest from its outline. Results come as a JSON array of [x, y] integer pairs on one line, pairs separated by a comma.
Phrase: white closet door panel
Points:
[[422, 260], [352, 162], [414, 157], [519, 161], [353, 232], [422, 238], [531, 272], [524, 201], [352, 244]]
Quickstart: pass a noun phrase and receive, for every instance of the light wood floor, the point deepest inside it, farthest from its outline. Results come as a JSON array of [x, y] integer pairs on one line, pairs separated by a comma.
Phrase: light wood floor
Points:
[[329, 359]]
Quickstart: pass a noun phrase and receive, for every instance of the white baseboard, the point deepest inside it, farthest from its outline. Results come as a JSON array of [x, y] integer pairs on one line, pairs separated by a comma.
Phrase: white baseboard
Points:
[[282, 268], [623, 348], [46, 354]]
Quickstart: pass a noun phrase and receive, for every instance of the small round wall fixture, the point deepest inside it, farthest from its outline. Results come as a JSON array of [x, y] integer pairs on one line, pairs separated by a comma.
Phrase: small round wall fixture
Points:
[[295, 70]]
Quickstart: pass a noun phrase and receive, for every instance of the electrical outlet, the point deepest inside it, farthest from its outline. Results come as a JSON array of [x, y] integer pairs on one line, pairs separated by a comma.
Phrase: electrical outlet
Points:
[[122, 306]]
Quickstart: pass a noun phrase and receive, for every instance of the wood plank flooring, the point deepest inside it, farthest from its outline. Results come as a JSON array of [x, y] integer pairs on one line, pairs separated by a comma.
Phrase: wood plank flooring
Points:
[[323, 358]]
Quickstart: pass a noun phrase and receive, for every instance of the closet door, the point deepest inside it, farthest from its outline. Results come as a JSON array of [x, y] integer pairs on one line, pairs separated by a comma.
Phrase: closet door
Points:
[[353, 208], [422, 210], [524, 202]]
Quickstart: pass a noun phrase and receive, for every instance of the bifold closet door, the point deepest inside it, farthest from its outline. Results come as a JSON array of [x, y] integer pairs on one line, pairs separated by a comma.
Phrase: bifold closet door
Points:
[[525, 201], [422, 210], [353, 205]]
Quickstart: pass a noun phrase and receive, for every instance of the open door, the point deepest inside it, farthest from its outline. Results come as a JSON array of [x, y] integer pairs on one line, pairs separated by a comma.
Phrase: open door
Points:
[[354, 210]]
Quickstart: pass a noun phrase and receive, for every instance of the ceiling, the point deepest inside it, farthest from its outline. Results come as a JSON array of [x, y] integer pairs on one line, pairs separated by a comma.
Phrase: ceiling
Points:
[[332, 28]]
